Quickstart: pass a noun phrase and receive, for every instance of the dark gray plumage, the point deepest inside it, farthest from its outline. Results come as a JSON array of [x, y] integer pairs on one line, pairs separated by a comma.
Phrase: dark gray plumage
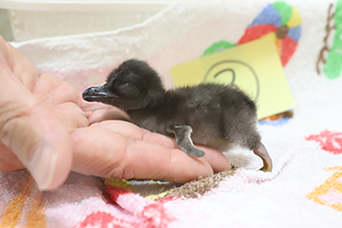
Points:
[[208, 114]]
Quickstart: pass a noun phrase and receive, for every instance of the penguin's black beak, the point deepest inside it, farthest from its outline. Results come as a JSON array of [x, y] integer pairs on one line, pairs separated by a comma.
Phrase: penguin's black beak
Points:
[[100, 94]]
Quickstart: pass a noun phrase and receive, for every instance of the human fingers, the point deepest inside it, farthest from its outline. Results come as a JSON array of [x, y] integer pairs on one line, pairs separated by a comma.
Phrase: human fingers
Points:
[[97, 112], [62, 98], [102, 152], [215, 158], [23, 70], [41, 143], [29, 128], [106, 114]]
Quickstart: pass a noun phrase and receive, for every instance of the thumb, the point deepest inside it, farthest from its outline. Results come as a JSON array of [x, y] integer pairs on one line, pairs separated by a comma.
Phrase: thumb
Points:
[[32, 131], [40, 142]]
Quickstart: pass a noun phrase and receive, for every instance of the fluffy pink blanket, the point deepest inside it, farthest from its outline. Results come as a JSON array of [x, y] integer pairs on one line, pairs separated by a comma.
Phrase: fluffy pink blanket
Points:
[[303, 190]]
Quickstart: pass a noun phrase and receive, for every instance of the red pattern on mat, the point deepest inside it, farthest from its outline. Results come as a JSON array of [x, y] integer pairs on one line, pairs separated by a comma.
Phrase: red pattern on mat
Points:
[[102, 219], [147, 213], [116, 192], [329, 141]]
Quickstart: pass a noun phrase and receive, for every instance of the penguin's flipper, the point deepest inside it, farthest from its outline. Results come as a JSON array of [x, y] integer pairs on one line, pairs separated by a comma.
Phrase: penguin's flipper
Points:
[[183, 138]]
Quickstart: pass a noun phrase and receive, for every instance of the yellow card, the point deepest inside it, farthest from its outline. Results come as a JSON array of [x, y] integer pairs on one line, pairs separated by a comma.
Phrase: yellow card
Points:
[[254, 67]]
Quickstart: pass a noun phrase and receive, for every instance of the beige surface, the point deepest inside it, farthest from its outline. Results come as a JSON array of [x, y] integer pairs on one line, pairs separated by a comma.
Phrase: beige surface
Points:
[[5, 28]]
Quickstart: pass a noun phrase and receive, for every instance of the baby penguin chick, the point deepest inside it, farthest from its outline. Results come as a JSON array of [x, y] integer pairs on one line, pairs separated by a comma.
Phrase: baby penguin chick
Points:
[[208, 114]]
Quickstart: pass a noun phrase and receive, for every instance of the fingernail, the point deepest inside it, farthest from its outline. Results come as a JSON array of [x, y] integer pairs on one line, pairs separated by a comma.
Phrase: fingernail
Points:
[[42, 165]]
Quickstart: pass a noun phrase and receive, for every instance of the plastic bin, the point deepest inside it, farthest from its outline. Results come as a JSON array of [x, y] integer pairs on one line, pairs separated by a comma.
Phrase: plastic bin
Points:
[[46, 18]]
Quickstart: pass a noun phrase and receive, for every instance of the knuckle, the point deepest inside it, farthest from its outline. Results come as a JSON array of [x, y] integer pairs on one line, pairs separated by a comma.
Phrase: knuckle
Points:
[[8, 161], [13, 122], [11, 128]]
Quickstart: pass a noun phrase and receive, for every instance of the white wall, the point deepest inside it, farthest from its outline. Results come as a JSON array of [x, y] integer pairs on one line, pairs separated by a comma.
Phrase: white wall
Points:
[[5, 28]]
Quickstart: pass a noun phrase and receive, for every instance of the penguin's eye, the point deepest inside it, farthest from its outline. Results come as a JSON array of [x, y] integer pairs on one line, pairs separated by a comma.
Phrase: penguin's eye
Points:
[[121, 86]]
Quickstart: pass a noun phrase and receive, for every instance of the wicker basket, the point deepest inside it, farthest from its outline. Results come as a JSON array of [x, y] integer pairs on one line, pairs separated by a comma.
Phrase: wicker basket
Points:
[[32, 19]]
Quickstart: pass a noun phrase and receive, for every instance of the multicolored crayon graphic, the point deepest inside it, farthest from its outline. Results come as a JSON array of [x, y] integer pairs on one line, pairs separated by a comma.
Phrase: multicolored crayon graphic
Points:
[[278, 17]]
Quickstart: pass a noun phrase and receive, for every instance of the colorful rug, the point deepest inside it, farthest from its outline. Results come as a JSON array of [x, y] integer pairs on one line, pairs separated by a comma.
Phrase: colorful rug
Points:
[[305, 187]]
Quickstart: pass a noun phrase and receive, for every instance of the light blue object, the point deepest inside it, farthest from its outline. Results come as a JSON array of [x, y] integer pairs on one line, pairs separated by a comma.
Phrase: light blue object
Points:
[[295, 33], [269, 15], [279, 122]]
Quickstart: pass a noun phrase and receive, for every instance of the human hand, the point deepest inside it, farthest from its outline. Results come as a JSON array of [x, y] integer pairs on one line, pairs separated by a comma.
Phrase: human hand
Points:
[[46, 129]]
